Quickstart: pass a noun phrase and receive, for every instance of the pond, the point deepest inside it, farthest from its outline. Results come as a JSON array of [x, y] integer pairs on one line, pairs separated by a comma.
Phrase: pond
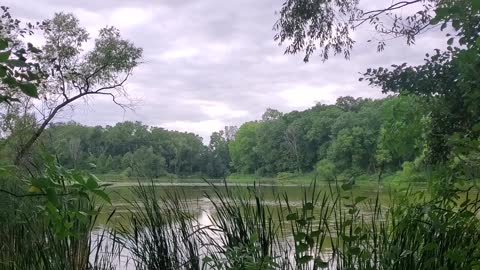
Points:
[[195, 196]]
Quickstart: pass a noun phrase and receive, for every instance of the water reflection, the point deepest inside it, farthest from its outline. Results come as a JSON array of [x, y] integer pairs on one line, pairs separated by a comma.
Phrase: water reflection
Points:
[[203, 209]]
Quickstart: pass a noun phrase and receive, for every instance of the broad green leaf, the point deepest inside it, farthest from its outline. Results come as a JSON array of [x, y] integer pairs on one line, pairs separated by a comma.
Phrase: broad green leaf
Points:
[[347, 186], [476, 5], [320, 263], [292, 216], [3, 71], [299, 236], [4, 56], [302, 222], [52, 196], [91, 183], [441, 13], [450, 41], [29, 89], [3, 43], [305, 259], [17, 63], [105, 197], [302, 247], [360, 199], [476, 127], [308, 206]]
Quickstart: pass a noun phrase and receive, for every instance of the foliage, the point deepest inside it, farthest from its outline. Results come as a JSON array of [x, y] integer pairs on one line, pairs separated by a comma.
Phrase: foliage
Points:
[[326, 169], [448, 80], [160, 233], [329, 26], [333, 228], [18, 73], [68, 73], [359, 136], [48, 221]]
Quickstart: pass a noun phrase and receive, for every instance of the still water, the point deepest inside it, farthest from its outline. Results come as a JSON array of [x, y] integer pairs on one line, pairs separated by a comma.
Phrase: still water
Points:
[[202, 208]]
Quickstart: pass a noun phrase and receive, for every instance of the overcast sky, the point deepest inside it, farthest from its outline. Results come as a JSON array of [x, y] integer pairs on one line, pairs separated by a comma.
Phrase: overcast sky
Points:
[[211, 63]]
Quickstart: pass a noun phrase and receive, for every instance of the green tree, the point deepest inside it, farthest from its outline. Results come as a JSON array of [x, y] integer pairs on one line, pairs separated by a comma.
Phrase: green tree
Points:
[[219, 155], [328, 26], [243, 148], [74, 73], [19, 75], [448, 80]]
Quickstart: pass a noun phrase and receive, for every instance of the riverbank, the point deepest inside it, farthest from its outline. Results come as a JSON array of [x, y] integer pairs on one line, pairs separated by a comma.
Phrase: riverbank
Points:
[[398, 178]]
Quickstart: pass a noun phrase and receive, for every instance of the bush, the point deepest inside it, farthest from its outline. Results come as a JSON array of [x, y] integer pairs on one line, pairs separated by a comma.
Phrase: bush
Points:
[[326, 170], [286, 175]]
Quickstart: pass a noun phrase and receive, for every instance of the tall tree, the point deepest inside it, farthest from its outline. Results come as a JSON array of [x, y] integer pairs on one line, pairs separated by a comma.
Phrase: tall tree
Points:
[[75, 74]]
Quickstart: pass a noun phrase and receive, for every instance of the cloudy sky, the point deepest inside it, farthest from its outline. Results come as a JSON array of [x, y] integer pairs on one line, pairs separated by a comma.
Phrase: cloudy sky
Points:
[[211, 63]]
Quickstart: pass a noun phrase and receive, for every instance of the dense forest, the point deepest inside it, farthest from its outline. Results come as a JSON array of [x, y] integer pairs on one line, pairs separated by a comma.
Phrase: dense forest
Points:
[[352, 137]]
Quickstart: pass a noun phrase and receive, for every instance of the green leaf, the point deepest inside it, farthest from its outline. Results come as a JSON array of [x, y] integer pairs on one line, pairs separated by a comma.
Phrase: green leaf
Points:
[[4, 56], [17, 63], [52, 196], [3, 71], [476, 5], [308, 206], [302, 247], [347, 222], [32, 48], [305, 259], [320, 263], [450, 41], [405, 253], [302, 222], [292, 216], [444, 25], [360, 199], [29, 89], [456, 255], [3, 43], [476, 127], [347, 186], [91, 183], [103, 195], [441, 13], [299, 236]]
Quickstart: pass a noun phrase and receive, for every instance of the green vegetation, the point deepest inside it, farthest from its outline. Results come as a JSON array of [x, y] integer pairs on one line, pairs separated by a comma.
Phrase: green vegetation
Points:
[[332, 228], [427, 129], [347, 140]]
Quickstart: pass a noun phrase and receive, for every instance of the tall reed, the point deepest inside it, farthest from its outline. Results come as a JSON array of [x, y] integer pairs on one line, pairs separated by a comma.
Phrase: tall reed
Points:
[[160, 233], [329, 228]]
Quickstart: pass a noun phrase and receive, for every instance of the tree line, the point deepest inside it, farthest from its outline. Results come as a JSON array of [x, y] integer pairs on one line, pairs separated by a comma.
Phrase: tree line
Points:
[[354, 136]]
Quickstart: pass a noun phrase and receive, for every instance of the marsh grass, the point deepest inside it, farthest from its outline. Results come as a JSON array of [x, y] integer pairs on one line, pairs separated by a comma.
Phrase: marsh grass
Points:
[[30, 241], [160, 233], [328, 229]]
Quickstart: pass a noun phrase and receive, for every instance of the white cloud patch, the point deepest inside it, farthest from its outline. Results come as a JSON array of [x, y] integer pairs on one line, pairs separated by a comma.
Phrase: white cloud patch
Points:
[[216, 109], [126, 18], [304, 96], [202, 128]]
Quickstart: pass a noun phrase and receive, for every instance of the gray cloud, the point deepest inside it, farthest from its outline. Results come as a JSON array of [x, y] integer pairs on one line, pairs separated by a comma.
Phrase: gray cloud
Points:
[[212, 63]]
